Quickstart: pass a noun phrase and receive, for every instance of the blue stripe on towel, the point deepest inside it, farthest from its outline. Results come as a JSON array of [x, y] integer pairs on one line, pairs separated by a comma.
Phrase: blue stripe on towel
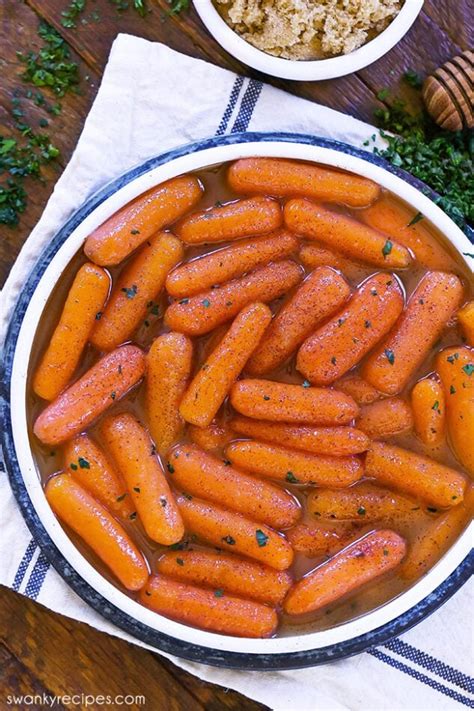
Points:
[[25, 561], [37, 577], [415, 674], [234, 95], [247, 106]]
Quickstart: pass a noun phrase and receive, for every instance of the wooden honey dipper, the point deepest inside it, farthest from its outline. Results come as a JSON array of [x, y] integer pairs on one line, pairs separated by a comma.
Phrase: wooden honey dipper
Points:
[[448, 93]]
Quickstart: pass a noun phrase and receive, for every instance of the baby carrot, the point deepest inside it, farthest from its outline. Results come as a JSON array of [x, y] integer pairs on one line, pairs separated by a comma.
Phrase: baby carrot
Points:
[[89, 466], [83, 306], [318, 539], [228, 263], [211, 384], [292, 466], [133, 224], [98, 529], [168, 367], [315, 300], [314, 256], [203, 312], [414, 475], [284, 402], [133, 452], [363, 502], [241, 218], [466, 321], [364, 560], [397, 358], [344, 234], [139, 283], [211, 610], [97, 390], [215, 436], [201, 474], [238, 576], [428, 405], [234, 533], [358, 388], [282, 178], [385, 418], [455, 367], [338, 441], [340, 344]]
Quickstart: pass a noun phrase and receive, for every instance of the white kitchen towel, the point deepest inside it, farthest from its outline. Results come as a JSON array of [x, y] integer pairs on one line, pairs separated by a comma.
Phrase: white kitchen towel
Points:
[[153, 99]]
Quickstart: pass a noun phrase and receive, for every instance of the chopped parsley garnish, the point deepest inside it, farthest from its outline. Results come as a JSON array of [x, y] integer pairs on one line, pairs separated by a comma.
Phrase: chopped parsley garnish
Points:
[[291, 478], [206, 303], [333, 360], [306, 384], [133, 516], [367, 324], [113, 395], [177, 6], [261, 537], [121, 497], [74, 467], [415, 219], [183, 301], [387, 248], [219, 592], [98, 315], [71, 13], [390, 356], [468, 369], [180, 561], [266, 397], [130, 292], [137, 489], [340, 321], [155, 310], [361, 511], [452, 358], [452, 390], [229, 540], [227, 462], [134, 232], [386, 551], [83, 463], [170, 468], [435, 405]]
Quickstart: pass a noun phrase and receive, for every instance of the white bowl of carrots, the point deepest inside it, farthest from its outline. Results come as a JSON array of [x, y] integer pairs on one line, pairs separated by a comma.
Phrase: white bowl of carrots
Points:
[[233, 420]]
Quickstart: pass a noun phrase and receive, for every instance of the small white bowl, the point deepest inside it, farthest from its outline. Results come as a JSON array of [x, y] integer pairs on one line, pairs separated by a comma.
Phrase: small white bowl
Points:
[[307, 70]]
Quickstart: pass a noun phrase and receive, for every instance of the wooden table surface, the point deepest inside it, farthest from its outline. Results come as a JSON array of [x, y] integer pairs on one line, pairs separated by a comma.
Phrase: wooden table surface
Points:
[[45, 652]]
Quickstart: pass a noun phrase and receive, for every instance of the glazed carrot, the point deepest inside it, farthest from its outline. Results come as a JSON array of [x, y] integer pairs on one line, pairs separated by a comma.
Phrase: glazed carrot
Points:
[[338, 441], [397, 358], [385, 418], [314, 256], [466, 321], [363, 502], [234, 533], [455, 367], [168, 368], [241, 218], [211, 384], [316, 299], [344, 234], [282, 178], [98, 529], [213, 479], [368, 558], [284, 402], [429, 411], [133, 224], [358, 388], [238, 576], [414, 475], [293, 466], [318, 539], [83, 305], [210, 610], [89, 466], [202, 313], [139, 283], [340, 344], [225, 264], [133, 452], [97, 390], [215, 436]]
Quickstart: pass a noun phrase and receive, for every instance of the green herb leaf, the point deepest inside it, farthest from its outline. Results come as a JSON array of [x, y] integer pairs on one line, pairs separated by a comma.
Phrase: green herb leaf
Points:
[[219, 592], [177, 6], [468, 369], [291, 478], [180, 561], [361, 511], [387, 248], [390, 356], [416, 219], [170, 468], [261, 537], [306, 384], [83, 463], [435, 405], [229, 540], [131, 291]]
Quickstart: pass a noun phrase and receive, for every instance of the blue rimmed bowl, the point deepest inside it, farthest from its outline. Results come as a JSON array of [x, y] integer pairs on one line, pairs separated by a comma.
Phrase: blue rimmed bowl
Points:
[[296, 650]]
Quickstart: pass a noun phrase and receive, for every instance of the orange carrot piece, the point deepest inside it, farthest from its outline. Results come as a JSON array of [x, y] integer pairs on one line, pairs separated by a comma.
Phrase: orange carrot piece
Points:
[[314, 256], [340, 344], [83, 305], [202, 313], [397, 358], [414, 475], [429, 411], [215, 436], [168, 368], [466, 321], [318, 539], [385, 418], [338, 441], [358, 388], [293, 466], [132, 450], [284, 402], [224, 264], [241, 218], [363, 502], [89, 466], [455, 367], [283, 178], [139, 283], [97, 390], [235, 533], [98, 529], [201, 474], [211, 384], [364, 560], [222, 571], [344, 234], [207, 609], [133, 224], [316, 299]]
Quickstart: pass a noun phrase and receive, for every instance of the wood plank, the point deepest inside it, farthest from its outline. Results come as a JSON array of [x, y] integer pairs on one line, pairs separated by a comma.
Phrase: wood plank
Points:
[[455, 18], [16, 681]]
